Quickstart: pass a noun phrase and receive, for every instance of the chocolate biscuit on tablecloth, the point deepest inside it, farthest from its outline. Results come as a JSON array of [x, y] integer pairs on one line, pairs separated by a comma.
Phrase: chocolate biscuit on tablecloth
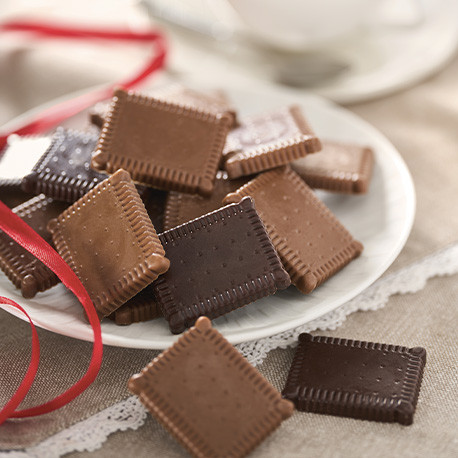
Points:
[[24, 270], [164, 145], [352, 378], [218, 263], [209, 397], [108, 240], [312, 244]]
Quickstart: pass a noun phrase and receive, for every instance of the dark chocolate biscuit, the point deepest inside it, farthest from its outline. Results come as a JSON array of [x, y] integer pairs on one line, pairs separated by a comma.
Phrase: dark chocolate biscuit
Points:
[[108, 240], [357, 379], [206, 394], [25, 271], [218, 262], [164, 145], [63, 172]]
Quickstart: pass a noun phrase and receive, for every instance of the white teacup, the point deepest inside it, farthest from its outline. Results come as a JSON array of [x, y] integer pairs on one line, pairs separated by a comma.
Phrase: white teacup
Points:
[[302, 24]]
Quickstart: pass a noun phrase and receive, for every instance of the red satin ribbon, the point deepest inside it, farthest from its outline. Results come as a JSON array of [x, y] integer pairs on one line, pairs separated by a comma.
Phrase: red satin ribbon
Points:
[[56, 114], [19, 231]]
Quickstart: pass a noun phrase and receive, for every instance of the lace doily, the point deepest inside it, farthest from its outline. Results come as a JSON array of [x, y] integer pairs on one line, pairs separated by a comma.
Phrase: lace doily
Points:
[[90, 434]]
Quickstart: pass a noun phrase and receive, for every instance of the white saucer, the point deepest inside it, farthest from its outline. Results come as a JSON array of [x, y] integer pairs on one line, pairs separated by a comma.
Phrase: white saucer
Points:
[[395, 57]]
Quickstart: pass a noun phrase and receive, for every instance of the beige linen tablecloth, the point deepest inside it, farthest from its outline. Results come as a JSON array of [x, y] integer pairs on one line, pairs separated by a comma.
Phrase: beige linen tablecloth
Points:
[[422, 123]]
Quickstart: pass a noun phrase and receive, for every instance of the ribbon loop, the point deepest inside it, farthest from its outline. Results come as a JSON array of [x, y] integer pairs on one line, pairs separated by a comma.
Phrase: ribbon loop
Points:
[[25, 236]]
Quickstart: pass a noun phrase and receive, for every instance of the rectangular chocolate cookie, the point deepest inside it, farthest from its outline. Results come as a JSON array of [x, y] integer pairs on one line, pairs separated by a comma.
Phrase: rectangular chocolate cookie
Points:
[[218, 263], [163, 145], [206, 394], [24, 270], [339, 167], [63, 172], [311, 242], [108, 240], [357, 379], [267, 141]]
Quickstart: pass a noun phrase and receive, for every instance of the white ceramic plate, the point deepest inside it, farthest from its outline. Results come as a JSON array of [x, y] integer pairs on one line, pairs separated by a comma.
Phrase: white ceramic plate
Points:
[[381, 220]]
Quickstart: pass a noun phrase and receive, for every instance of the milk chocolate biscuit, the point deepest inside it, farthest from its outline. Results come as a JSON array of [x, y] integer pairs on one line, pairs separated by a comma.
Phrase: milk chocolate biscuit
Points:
[[218, 263], [181, 208], [164, 145], [19, 157], [340, 167], [142, 307], [357, 379], [25, 271], [311, 242], [268, 141], [206, 394], [63, 172], [108, 240]]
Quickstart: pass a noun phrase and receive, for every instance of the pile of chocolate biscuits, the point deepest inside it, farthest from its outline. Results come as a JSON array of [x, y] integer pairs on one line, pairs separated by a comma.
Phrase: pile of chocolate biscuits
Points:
[[178, 208], [228, 197]]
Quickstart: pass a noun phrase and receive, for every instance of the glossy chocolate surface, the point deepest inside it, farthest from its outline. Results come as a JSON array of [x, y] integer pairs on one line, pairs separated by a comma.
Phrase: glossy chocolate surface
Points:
[[357, 379], [218, 262]]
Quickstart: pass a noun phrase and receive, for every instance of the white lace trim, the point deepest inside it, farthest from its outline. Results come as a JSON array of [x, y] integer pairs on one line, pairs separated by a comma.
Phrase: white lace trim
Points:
[[410, 279], [90, 434]]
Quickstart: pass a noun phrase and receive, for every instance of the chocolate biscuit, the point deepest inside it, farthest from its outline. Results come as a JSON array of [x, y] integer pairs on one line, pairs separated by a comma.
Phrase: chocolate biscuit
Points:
[[267, 141], [108, 240], [218, 263], [63, 172], [339, 167], [311, 242], [181, 208], [24, 270], [206, 394], [142, 307], [357, 379], [164, 145]]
